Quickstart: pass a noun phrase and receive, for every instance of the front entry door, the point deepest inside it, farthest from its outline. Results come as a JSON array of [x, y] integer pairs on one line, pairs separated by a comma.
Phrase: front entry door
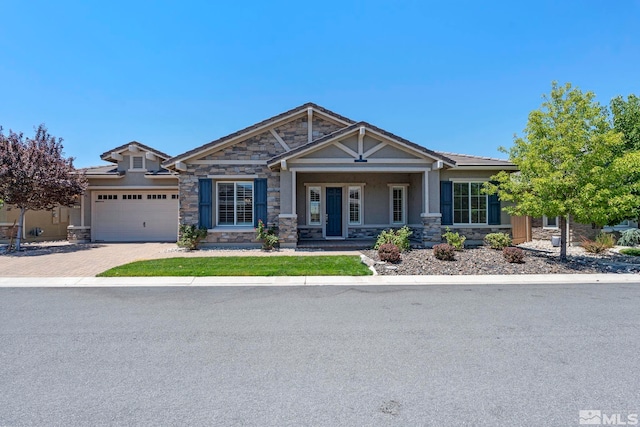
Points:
[[334, 212]]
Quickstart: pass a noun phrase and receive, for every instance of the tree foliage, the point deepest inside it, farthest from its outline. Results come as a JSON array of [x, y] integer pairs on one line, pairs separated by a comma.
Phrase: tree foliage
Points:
[[626, 120], [34, 174], [571, 163]]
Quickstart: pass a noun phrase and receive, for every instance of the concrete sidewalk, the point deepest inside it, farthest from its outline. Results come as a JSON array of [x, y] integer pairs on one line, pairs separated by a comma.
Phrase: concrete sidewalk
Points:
[[9, 282]]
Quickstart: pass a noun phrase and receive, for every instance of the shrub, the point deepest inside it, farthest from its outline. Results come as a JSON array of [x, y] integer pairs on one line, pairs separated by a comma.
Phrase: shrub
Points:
[[444, 252], [399, 237], [513, 255], [454, 239], [190, 236], [630, 251], [498, 240], [593, 247], [389, 252], [606, 239], [267, 236], [630, 237]]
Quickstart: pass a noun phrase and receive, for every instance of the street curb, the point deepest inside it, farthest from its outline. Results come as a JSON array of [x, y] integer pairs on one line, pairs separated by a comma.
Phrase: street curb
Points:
[[252, 281]]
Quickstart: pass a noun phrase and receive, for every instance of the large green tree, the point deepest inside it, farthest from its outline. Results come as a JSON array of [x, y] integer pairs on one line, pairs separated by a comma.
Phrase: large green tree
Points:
[[571, 163], [34, 174], [626, 119]]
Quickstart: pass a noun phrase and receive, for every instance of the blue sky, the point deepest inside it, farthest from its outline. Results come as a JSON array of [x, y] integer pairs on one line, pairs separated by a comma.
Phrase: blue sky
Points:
[[452, 76]]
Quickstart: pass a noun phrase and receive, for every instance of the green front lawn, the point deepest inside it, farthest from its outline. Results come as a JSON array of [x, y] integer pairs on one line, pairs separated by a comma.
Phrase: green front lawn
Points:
[[244, 266]]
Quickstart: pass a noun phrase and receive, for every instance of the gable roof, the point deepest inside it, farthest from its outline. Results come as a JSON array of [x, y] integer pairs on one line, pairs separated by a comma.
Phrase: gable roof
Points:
[[124, 147], [352, 129], [263, 125], [467, 160]]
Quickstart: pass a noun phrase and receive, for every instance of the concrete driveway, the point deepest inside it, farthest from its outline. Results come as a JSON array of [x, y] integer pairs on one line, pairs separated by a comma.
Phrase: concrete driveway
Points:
[[61, 259]]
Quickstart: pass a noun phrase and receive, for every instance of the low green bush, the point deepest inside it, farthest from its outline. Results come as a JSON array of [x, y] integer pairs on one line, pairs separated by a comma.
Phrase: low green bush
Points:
[[630, 237], [399, 237], [606, 239], [190, 236], [444, 252], [513, 255], [389, 253], [630, 251], [454, 239], [497, 240]]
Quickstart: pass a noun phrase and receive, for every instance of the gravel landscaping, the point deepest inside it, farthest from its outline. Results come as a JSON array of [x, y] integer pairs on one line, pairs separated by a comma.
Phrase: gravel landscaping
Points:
[[540, 258]]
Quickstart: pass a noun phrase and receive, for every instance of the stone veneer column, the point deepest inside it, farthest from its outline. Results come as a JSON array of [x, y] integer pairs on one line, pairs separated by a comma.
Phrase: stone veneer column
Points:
[[431, 229], [288, 230], [78, 234]]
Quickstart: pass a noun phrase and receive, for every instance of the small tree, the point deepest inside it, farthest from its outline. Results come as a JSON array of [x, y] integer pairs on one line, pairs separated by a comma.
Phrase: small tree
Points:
[[572, 163], [35, 175]]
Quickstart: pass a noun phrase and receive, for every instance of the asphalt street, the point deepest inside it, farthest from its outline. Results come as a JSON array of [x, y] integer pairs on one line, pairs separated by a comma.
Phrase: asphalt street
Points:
[[319, 356]]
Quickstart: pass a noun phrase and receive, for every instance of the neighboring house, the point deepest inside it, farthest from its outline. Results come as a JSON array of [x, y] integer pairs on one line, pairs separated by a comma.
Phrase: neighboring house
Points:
[[133, 200], [316, 176], [38, 225], [545, 227]]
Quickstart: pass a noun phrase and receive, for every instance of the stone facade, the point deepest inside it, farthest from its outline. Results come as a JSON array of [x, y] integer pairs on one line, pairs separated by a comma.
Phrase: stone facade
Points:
[[256, 150], [538, 232], [475, 236], [365, 232], [288, 231], [232, 238], [78, 234], [431, 230], [310, 233]]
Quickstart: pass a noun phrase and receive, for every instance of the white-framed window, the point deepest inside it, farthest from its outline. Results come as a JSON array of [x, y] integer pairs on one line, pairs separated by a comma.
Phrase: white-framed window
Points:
[[398, 204], [315, 196], [234, 203], [355, 205], [136, 163], [550, 222], [469, 203]]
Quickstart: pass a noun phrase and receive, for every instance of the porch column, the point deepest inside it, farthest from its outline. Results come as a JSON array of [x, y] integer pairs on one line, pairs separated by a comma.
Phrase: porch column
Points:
[[288, 219], [431, 229], [425, 191]]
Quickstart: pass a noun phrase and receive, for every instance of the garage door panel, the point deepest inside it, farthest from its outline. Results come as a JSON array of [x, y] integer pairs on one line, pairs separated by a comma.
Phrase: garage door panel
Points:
[[135, 216]]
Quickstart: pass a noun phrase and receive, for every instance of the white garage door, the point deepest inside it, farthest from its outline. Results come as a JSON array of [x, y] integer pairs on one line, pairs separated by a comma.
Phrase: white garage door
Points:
[[135, 216]]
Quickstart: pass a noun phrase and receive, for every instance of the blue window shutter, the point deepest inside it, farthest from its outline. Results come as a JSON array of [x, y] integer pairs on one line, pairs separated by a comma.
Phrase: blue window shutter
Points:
[[260, 200], [205, 194], [494, 210], [446, 202]]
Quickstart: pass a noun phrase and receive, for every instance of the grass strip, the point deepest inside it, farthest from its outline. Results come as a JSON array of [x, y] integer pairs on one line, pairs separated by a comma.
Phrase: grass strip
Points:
[[630, 251], [328, 265]]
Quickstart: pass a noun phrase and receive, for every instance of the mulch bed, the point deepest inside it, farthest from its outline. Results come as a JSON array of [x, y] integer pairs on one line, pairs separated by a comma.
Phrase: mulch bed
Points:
[[484, 260]]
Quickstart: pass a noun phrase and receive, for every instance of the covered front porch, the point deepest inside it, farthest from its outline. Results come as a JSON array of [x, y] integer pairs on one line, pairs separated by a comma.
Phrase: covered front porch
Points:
[[350, 209], [352, 184]]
